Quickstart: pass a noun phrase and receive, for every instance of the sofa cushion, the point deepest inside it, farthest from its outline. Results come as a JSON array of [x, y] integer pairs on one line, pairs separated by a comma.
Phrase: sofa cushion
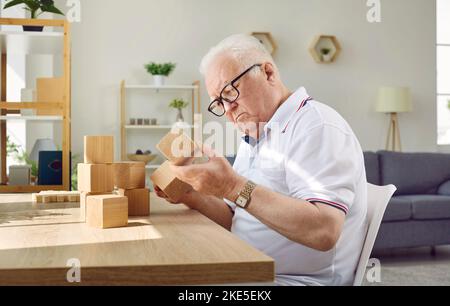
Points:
[[430, 207], [414, 173], [372, 164], [398, 209], [444, 189]]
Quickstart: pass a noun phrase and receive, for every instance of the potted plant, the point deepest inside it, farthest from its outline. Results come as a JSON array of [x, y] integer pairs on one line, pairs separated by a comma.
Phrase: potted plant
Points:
[[36, 8], [326, 54], [448, 104], [179, 104], [160, 71]]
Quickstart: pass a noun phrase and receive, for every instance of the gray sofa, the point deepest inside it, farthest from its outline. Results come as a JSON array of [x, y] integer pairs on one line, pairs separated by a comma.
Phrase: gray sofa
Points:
[[419, 213]]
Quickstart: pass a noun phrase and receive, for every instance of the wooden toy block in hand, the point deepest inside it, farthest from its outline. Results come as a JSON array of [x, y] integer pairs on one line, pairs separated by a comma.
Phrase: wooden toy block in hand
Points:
[[96, 178], [106, 211], [129, 175], [166, 180], [178, 148], [98, 149], [138, 201]]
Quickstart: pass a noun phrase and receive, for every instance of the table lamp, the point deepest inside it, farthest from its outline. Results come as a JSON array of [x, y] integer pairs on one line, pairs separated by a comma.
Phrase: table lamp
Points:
[[394, 100]]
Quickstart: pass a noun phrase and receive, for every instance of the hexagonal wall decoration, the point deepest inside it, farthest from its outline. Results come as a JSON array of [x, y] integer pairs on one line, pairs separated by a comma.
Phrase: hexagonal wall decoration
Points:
[[325, 49], [267, 40]]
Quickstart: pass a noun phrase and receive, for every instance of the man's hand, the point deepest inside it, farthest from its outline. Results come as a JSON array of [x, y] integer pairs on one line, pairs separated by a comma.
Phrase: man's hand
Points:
[[215, 177]]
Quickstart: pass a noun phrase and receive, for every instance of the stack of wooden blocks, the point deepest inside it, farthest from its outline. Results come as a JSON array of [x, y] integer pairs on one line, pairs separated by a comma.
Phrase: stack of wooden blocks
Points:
[[180, 150], [103, 206]]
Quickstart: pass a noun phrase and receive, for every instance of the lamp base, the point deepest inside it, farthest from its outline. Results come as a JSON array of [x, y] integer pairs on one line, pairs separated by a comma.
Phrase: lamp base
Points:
[[393, 142]]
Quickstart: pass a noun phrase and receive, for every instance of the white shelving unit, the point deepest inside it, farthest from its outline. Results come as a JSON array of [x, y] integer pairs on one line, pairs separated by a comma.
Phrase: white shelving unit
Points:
[[126, 128], [31, 42], [32, 118]]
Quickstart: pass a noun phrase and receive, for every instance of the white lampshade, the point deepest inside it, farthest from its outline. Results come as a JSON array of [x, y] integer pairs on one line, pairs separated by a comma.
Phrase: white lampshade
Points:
[[42, 145], [394, 100]]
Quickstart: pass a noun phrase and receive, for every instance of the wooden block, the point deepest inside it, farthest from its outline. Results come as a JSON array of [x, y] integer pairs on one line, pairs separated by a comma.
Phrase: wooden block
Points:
[[129, 175], [50, 90], [61, 198], [166, 180], [95, 178], [178, 148], [107, 211], [98, 149], [138, 201]]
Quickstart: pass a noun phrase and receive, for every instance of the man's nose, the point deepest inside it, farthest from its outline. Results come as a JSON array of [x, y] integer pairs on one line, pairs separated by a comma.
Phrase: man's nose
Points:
[[229, 106]]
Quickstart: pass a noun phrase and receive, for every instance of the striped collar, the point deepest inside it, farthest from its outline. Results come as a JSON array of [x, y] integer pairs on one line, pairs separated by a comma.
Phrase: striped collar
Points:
[[283, 114], [288, 109]]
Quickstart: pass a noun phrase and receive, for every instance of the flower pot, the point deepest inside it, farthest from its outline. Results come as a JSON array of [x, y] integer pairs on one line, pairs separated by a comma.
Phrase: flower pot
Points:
[[159, 80], [33, 28], [327, 57], [180, 117]]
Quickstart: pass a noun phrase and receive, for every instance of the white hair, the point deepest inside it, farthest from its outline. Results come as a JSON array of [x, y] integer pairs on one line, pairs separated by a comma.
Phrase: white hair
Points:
[[245, 49]]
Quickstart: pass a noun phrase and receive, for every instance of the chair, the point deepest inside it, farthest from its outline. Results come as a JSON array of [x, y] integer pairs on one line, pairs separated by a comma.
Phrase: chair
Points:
[[378, 198]]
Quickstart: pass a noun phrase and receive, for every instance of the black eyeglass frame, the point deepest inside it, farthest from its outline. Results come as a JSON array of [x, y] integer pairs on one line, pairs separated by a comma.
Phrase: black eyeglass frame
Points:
[[220, 99]]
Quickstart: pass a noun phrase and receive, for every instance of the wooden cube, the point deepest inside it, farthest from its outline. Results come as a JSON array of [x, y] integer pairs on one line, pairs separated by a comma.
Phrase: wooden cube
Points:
[[98, 149], [129, 175], [106, 211], [95, 178], [138, 201], [166, 180], [178, 148]]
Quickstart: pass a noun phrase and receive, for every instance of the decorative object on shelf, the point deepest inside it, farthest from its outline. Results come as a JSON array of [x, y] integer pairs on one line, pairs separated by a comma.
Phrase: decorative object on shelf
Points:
[[50, 168], [36, 8], [141, 156], [146, 121], [326, 54], [153, 121], [179, 104], [140, 121], [267, 40], [325, 49], [160, 72], [394, 100], [19, 175], [448, 105], [132, 121]]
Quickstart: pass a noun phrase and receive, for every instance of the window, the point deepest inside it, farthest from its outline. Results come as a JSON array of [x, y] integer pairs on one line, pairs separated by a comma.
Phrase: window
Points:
[[443, 71]]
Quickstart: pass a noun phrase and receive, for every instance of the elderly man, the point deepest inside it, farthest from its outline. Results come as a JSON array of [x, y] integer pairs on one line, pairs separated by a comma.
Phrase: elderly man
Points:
[[298, 188]]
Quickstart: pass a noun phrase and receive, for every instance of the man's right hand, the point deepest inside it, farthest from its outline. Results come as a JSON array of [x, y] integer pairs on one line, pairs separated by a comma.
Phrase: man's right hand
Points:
[[185, 199]]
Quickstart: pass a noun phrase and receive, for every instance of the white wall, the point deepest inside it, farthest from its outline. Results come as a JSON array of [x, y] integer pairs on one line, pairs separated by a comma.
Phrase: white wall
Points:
[[115, 39]]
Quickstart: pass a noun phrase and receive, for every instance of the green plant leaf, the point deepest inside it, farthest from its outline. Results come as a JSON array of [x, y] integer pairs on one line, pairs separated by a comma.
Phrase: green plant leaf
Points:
[[13, 3], [52, 9]]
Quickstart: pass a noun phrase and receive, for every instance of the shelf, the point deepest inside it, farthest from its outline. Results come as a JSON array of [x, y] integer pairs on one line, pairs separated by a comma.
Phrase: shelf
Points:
[[165, 87], [12, 42], [32, 118], [156, 127], [325, 42]]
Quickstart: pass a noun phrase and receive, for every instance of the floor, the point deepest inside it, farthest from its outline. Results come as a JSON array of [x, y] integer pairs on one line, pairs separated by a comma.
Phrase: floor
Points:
[[414, 267]]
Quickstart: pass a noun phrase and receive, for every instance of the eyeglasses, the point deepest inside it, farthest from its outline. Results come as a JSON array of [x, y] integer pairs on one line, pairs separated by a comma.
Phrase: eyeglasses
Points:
[[229, 93]]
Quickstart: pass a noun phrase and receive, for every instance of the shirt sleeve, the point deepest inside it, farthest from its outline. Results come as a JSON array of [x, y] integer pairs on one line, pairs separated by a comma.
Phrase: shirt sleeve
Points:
[[323, 165]]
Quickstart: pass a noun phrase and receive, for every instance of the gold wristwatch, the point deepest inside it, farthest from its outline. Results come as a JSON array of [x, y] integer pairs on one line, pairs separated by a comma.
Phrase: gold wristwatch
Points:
[[244, 197]]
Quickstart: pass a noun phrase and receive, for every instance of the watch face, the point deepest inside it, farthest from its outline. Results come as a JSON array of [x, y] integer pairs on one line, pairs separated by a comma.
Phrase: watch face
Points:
[[241, 201]]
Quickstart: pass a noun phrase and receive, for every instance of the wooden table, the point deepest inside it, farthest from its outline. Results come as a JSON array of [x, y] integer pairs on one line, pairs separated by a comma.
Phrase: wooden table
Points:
[[174, 246]]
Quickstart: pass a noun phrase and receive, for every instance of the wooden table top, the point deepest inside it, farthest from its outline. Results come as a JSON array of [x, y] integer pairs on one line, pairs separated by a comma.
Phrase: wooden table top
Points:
[[174, 246]]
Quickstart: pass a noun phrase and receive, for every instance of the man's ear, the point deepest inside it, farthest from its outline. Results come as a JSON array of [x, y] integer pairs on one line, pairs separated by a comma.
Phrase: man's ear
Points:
[[269, 72]]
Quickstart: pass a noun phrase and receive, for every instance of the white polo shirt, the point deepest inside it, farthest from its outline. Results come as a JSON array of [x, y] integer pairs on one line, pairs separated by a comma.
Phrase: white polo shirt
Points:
[[308, 152]]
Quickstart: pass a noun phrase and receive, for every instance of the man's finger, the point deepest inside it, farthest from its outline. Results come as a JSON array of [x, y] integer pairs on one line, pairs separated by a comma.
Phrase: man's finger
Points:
[[208, 151]]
